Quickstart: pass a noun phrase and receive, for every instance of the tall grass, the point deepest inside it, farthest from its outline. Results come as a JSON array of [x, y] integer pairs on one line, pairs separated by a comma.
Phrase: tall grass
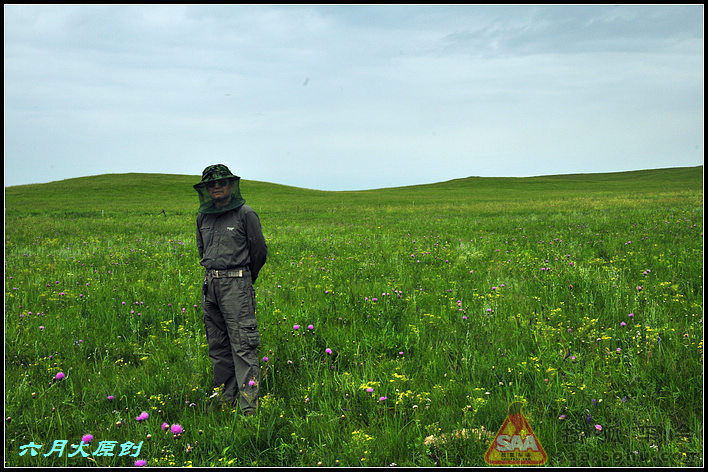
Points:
[[432, 308]]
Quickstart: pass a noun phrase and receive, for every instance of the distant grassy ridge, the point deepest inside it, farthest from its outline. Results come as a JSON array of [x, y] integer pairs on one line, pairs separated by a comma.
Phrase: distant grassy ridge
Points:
[[152, 193]]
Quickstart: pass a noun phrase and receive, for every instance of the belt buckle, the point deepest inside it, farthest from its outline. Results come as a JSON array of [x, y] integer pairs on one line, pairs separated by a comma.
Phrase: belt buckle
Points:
[[217, 273]]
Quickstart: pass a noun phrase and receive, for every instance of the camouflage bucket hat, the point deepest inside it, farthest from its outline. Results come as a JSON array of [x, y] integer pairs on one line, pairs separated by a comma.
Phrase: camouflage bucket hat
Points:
[[211, 174], [216, 172]]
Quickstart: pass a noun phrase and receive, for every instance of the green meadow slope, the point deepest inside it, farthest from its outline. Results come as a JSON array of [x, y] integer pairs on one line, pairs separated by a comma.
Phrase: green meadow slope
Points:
[[397, 326], [152, 193]]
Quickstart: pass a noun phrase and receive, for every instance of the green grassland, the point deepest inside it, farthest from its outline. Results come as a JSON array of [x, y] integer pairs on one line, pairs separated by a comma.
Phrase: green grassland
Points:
[[423, 313]]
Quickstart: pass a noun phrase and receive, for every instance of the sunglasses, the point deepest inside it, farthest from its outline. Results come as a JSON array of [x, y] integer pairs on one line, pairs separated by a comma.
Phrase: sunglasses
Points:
[[221, 182]]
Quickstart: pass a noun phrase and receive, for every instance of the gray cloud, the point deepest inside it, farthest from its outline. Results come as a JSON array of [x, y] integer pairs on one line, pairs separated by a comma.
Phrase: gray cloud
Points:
[[345, 97], [579, 29]]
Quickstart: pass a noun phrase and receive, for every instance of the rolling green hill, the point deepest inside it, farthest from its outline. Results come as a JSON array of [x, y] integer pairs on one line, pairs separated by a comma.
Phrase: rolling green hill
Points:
[[429, 311], [152, 193]]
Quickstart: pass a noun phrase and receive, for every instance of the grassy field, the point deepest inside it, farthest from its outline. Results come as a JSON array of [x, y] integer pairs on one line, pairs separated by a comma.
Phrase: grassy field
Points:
[[422, 314]]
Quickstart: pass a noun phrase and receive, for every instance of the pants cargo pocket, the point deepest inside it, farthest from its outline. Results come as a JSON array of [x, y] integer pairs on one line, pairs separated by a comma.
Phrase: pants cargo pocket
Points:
[[250, 336]]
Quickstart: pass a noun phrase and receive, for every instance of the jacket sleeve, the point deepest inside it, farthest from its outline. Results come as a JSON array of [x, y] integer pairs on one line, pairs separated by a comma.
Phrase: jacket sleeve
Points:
[[200, 242], [258, 250]]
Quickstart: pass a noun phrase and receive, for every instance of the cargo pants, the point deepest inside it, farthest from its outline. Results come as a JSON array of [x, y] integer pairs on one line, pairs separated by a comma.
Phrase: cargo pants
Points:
[[232, 335]]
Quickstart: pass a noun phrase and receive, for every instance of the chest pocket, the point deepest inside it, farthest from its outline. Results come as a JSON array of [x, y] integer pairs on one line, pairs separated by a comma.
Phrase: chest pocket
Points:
[[207, 232], [230, 231]]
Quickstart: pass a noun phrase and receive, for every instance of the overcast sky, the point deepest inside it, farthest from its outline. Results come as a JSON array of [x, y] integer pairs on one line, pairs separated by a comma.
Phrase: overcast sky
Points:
[[351, 97]]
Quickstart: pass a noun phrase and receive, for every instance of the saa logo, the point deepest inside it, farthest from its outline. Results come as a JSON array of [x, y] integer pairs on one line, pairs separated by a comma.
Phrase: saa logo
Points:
[[515, 443]]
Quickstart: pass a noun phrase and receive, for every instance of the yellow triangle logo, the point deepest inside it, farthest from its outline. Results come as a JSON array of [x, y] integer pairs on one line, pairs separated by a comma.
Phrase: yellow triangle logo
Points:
[[515, 443]]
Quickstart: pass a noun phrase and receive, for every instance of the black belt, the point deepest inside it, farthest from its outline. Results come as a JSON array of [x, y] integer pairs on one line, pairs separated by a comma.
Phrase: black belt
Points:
[[220, 273]]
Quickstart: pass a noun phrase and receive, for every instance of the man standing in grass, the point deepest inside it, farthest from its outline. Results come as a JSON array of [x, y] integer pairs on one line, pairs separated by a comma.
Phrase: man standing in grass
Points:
[[232, 250]]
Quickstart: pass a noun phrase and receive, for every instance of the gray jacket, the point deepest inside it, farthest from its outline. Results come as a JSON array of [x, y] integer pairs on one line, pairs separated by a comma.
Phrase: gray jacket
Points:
[[232, 239]]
